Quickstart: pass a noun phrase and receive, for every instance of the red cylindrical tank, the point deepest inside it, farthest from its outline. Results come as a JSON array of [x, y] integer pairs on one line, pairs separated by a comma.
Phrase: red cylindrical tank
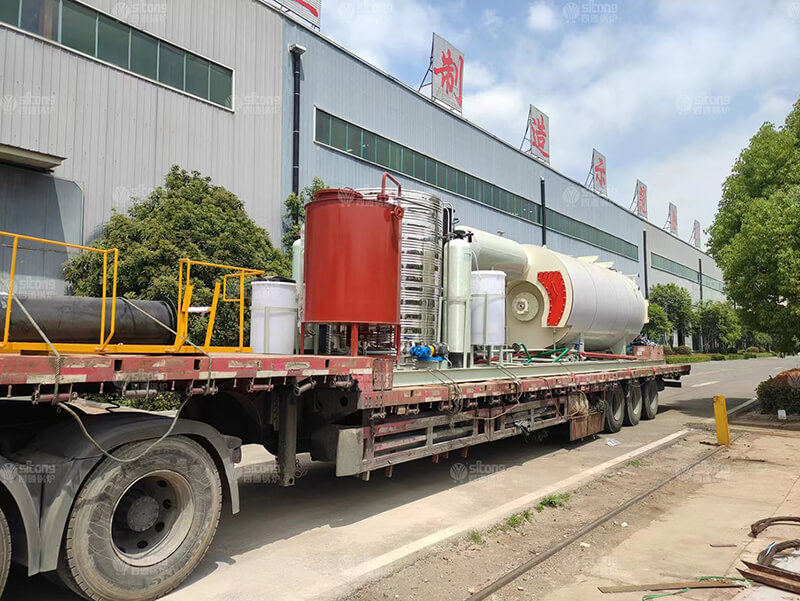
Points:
[[352, 259]]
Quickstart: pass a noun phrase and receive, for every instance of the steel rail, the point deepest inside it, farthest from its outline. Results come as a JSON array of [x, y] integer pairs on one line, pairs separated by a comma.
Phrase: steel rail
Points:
[[511, 576]]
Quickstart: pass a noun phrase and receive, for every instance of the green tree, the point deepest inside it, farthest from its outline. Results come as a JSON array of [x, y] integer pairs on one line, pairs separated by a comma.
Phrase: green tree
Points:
[[188, 217], [718, 326], [295, 213], [755, 237], [677, 303], [659, 328]]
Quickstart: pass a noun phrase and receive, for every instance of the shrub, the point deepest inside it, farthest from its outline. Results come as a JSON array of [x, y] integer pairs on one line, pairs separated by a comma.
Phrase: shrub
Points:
[[668, 351], [780, 392], [680, 359], [750, 355], [683, 350], [753, 349], [718, 357]]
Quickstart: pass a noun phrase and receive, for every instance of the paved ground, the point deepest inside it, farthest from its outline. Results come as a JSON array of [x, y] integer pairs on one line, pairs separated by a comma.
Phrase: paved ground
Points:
[[321, 537]]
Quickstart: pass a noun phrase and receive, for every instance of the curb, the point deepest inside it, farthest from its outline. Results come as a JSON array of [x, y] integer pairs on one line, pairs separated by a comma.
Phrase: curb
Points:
[[743, 407]]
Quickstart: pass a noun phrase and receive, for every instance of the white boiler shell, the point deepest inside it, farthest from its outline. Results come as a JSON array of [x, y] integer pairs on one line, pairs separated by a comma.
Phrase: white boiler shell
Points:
[[603, 306], [488, 308], [273, 320]]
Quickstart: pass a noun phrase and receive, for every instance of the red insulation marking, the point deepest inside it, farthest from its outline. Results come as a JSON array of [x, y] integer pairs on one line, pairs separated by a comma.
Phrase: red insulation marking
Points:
[[553, 283], [307, 6]]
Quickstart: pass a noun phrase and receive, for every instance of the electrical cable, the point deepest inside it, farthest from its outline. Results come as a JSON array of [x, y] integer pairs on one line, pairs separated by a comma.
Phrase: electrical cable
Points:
[[89, 437]]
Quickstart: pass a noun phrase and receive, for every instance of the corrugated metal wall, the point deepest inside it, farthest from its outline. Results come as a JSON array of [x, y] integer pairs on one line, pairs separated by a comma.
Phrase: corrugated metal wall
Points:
[[120, 133], [342, 85]]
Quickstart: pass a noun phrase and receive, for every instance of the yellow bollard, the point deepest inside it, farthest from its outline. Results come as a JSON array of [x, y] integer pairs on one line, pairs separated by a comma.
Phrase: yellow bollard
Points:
[[721, 417]]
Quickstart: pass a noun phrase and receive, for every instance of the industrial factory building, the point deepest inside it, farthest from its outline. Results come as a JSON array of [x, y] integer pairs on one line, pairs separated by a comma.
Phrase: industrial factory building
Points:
[[100, 98]]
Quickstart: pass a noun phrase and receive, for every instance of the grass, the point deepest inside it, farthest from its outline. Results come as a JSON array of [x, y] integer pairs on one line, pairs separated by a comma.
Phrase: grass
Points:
[[634, 463], [476, 538], [553, 501]]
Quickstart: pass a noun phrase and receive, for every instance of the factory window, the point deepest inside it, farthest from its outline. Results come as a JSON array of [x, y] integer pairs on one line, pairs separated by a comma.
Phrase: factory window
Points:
[[395, 156], [113, 41], [39, 17], [382, 152], [339, 134], [9, 11], [713, 283], [171, 66], [78, 27], [670, 266], [353, 145], [221, 80], [144, 54], [197, 76], [86, 30], [408, 161]]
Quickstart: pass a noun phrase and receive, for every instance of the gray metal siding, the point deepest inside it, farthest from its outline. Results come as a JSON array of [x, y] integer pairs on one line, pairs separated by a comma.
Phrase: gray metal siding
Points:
[[121, 133], [342, 85]]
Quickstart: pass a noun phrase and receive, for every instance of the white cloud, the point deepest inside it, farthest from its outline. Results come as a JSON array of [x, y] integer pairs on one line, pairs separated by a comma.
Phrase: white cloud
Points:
[[478, 76], [383, 32], [491, 19], [542, 17], [691, 175]]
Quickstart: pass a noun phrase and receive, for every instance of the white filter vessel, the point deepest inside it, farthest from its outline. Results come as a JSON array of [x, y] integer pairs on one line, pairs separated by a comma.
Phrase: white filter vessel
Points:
[[488, 307], [273, 320], [457, 292]]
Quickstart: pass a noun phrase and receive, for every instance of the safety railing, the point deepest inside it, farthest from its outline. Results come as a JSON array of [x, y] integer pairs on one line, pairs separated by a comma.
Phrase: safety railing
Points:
[[104, 339], [185, 290], [108, 317]]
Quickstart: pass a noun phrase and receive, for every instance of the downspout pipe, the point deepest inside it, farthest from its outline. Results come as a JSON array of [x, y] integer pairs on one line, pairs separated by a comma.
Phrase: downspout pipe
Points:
[[544, 212], [296, 51]]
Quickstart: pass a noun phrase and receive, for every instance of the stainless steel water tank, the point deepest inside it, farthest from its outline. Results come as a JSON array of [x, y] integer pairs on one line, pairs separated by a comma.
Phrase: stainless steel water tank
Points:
[[420, 265]]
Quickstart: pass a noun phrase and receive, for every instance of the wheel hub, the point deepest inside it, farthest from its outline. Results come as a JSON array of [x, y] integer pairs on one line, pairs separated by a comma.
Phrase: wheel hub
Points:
[[143, 514], [152, 518]]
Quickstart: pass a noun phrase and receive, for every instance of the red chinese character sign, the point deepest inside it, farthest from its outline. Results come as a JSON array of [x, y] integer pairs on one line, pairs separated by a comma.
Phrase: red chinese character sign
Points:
[[640, 198], [447, 66], [673, 219], [539, 134], [599, 176], [696, 234], [310, 10]]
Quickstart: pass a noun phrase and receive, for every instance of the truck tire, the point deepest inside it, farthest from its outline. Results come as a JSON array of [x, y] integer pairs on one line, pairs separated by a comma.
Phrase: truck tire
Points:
[[649, 399], [614, 398], [633, 403], [5, 551], [137, 530]]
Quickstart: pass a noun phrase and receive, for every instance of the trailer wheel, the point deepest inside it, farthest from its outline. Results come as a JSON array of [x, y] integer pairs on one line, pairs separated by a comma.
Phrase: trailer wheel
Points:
[[5, 551], [137, 530], [614, 398], [650, 399], [633, 403]]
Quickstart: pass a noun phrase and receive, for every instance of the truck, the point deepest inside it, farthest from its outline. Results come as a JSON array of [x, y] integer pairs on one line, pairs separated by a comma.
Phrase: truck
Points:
[[348, 362]]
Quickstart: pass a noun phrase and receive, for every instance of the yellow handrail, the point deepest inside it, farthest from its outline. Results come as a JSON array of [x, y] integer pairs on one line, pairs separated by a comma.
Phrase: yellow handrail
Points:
[[104, 340], [105, 345], [185, 288]]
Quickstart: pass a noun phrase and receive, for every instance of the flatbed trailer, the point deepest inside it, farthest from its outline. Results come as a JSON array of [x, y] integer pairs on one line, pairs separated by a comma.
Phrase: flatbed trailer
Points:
[[87, 496]]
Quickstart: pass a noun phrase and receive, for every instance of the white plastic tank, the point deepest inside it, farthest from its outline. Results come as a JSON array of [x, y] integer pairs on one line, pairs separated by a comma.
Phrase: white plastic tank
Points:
[[273, 320], [457, 293], [488, 308]]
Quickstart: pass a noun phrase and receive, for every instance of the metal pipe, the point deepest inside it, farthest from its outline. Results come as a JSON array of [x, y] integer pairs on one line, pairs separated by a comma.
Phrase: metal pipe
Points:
[[646, 264], [76, 319], [296, 54], [544, 212]]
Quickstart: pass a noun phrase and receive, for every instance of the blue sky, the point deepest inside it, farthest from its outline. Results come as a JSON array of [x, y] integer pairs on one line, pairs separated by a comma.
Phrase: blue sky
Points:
[[669, 91]]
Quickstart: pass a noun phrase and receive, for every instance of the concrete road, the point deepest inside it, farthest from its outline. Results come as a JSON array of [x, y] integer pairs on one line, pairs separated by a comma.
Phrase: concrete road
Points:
[[323, 536]]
